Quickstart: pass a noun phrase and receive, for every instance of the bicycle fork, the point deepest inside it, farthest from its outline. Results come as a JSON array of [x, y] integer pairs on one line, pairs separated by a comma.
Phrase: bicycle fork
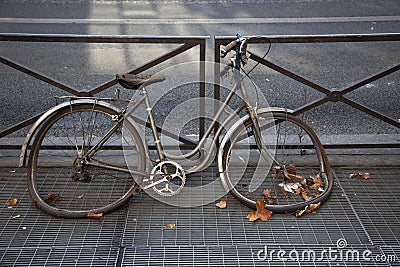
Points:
[[256, 128]]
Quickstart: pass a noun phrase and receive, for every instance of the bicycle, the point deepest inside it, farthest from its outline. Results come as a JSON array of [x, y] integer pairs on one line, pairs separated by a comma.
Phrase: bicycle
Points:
[[86, 135]]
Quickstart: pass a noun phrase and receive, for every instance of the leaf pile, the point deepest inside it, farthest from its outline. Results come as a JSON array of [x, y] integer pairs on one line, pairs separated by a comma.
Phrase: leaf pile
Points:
[[307, 188]]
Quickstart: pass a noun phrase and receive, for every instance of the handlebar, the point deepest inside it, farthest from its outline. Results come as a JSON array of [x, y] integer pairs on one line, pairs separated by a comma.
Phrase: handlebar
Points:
[[242, 41], [226, 49]]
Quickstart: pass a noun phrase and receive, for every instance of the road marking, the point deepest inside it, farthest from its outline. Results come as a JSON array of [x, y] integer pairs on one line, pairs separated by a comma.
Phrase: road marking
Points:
[[170, 21]]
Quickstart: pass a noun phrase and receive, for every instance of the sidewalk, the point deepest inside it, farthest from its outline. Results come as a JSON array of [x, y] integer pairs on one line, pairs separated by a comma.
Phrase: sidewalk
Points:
[[361, 219]]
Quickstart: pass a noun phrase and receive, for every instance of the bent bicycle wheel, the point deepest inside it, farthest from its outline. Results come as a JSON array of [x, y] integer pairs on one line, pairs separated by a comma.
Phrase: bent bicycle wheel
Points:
[[61, 180], [290, 172]]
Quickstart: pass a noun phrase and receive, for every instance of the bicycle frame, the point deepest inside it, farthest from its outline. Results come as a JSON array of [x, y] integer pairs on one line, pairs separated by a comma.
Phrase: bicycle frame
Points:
[[210, 152]]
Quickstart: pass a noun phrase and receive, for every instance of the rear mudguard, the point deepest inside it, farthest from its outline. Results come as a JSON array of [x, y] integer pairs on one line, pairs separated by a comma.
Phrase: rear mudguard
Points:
[[67, 105]]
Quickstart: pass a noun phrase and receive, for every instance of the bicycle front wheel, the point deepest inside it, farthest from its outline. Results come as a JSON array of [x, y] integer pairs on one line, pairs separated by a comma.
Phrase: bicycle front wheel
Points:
[[62, 178], [290, 172]]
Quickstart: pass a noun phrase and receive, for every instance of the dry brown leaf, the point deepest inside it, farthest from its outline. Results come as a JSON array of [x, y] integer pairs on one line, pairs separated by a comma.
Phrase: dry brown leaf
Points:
[[267, 193], [94, 215], [361, 175], [3, 179], [298, 191], [304, 194], [260, 213], [291, 169], [312, 208], [295, 178], [221, 204], [50, 198], [12, 202], [170, 226]]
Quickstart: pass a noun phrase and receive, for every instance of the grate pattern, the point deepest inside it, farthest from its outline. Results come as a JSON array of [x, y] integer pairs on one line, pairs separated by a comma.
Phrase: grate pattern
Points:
[[59, 256], [390, 255], [204, 236], [248, 255], [376, 202], [209, 225]]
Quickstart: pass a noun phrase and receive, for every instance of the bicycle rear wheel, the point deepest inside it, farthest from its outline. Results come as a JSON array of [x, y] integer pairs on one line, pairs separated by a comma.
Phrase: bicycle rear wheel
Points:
[[59, 179], [291, 174]]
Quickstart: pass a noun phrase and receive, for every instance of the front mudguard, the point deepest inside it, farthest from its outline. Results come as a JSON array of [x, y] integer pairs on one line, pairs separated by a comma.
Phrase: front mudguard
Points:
[[228, 135]]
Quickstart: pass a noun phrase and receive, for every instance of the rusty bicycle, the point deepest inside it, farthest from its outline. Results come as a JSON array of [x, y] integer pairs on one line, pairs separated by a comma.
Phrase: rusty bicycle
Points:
[[76, 167]]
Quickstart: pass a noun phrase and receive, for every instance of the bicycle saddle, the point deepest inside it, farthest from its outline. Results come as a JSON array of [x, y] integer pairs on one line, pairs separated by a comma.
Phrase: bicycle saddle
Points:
[[131, 81]]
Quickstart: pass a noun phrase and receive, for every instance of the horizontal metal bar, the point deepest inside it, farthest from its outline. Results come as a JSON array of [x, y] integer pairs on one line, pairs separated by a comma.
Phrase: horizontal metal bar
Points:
[[326, 38], [76, 38]]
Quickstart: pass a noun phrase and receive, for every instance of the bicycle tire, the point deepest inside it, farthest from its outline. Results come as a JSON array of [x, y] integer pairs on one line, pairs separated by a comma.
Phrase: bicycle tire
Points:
[[307, 159], [62, 188]]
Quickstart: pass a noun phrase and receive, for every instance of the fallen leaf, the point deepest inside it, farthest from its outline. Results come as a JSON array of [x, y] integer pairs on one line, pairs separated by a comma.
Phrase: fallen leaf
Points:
[[94, 215], [291, 169], [221, 204], [298, 191], [81, 196], [294, 178], [278, 172], [267, 193], [304, 194], [312, 208], [3, 179], [317, 182], [361, 175], [15, 216], [260, 213], [12, 171], [170, 226], [12, 202], [50, 198]]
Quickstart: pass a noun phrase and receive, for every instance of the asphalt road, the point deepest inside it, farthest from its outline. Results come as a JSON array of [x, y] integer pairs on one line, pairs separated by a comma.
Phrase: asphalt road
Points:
[[84, 66]]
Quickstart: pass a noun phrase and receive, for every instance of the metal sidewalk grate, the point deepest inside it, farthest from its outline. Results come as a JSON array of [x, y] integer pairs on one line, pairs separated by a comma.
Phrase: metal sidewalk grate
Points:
[[59, 256], [376, 202], [246, 255], [206, 235], [26, 226], [391, 255], [209, 226]]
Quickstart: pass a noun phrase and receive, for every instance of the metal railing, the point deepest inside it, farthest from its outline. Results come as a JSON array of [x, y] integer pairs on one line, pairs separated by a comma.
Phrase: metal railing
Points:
[[185, 43], [330, 95]]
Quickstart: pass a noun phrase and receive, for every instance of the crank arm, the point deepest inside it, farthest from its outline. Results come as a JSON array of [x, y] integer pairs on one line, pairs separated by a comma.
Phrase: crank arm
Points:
[[156, 183]]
